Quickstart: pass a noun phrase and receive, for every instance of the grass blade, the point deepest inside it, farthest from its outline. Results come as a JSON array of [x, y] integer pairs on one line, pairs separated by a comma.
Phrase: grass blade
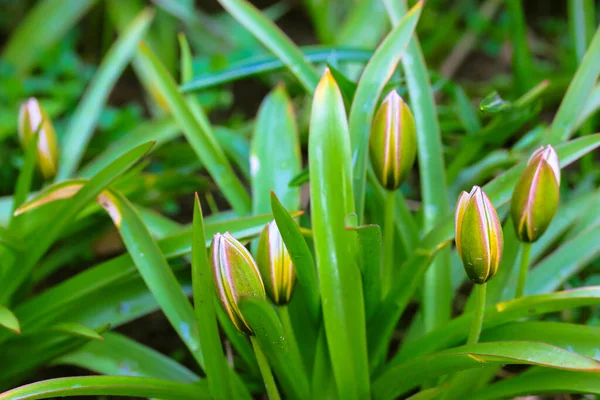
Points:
[[81, 126], [154, 269], [274, 39], [371, 84], [217, 371], [339, 275], [108, 386], [522, 61], [43, 26], [200, 136]]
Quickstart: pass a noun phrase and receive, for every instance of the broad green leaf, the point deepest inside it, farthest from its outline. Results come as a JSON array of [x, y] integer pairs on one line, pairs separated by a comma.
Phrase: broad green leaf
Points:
[[437, 291], [529, 306], [7, 239], [300, 254], [402, 378], [267, 63], [217, 371], [337, 264], [541, 381], [269, 332], [364, 25], [154, 269], [119, 355], [66, 214], [591, 106], [368, 239], [8, 320], [75, 329], [580, 339], [275, 153], [579, 90], [274, 39], [44, 25], [82, 124], [108, 386], [198, 132], [57, 191], [371, 84], [493, 103]]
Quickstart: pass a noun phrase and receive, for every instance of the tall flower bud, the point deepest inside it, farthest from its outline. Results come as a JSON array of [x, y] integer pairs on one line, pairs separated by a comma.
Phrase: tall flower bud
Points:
[[393, 141], [536, 195], [236, 277], [478, 235], [31, 115], [275, 265]]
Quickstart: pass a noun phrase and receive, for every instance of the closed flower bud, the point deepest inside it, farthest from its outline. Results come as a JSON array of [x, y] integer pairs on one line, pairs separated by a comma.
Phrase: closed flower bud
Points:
[[478, 235], [393, 141], [275, 265], [536, 195], [236, 277], [31, 115]]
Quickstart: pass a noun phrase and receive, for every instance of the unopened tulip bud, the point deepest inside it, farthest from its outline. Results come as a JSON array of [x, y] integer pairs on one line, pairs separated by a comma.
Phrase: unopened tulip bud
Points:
[[478, 235], [536, 195], [236, 277], [393, 141], [31, 115], [275, 265]]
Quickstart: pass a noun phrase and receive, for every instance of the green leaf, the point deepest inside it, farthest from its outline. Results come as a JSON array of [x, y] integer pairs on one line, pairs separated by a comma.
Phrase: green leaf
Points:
[[371, 84], [579, 90], [541, 382], [522, 60], [300, 179], [457, 329], [566, 261], [579, 339], [274, 39], [75, 329], [369, 260], [119, 355], [198, 132], [217, 371], [82, 124], [339, 274], [108, 386], [300, 254], [269, 332], [66, 214], [404, 377], [493, 103], [275, 153], [44, 25], [437, 291], [154, 269], [364, 25], [8, 320], [267, 63], [23, 186]]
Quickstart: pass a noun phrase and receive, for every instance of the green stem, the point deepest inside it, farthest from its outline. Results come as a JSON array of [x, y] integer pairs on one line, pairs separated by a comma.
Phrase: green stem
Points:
[[525, 251], [288, 330], [265, 370], [479, 310], [387, 272]]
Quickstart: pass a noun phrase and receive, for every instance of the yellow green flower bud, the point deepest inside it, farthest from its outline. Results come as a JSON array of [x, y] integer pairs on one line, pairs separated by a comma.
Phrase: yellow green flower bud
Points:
[[236, 277], [478, 235], [536, 195], [275, 265], [31, 115], [393, 141]]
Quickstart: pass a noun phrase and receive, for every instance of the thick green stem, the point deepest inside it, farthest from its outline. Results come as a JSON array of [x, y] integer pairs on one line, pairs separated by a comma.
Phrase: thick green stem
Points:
[[479, 310], [387, 273], [525, 250], [288, 330], [265, 370]]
